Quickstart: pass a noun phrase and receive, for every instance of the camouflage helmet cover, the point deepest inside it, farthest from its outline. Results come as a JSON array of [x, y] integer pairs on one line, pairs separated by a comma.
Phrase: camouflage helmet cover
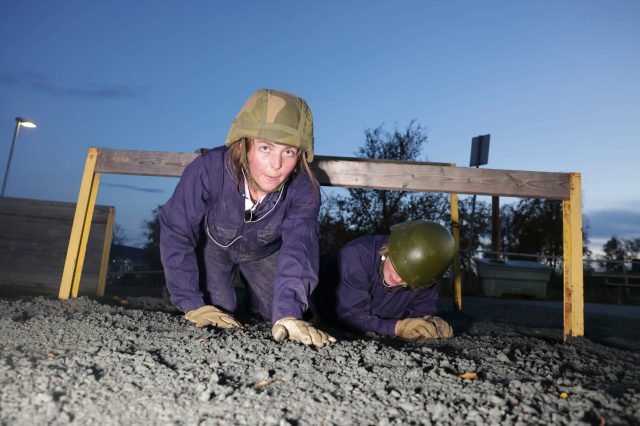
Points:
[[420, 251], [275, 116]]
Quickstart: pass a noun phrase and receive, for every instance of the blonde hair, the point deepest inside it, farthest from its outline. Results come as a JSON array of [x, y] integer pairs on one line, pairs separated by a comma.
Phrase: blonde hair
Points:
[[238, 149]]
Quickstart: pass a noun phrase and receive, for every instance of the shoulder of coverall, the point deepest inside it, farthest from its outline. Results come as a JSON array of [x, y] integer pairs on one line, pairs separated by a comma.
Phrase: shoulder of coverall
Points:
[[367, 242], [208, 158], [214, 160], [360, 260], [366, 248], [299, 188], [214, 154], [206, 161], [208, 166]]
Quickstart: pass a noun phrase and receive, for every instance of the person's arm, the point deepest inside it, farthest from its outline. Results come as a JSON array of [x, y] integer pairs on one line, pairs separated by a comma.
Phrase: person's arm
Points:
[[354, 296], [424, 306], [297, 267], [424, 302], [180, 219]]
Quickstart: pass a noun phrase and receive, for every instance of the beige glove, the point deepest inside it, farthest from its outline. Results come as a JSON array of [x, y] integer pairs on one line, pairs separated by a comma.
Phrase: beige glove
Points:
[[444, 329], [301, 331], [210, 315], [416, 329]]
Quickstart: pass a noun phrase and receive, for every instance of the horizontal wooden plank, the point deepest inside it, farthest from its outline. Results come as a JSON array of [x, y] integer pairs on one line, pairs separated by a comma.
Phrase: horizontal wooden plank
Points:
[[42, 244], [52, 279], [34, 239], [143, 163], [45, 210], [16, 287], [430, 178], [18, 284], [368, 173], [20, 225]]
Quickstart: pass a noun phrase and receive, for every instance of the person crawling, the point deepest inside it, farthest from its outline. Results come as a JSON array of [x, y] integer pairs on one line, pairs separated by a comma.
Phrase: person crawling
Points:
[[386, 283]]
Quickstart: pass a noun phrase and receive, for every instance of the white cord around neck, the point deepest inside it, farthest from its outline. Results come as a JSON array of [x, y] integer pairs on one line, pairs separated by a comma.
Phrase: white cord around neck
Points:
[[206, 220], [206, 224]]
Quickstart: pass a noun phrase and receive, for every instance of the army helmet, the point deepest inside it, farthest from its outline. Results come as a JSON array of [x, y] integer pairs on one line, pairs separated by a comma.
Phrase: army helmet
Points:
[[275, 116], [420, 251]]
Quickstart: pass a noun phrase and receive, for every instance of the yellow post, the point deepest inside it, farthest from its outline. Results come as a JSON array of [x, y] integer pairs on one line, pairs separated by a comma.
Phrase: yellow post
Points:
[[106, 249], [572, 260], [457, 279], [77, 274], [77, 229]]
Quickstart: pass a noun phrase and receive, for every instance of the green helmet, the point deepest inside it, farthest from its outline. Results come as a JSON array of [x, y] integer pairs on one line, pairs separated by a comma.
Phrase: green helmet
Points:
[[275, 116], [420, 251]]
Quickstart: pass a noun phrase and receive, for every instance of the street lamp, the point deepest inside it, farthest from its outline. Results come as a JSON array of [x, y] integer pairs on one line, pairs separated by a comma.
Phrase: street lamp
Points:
[[19, 122]]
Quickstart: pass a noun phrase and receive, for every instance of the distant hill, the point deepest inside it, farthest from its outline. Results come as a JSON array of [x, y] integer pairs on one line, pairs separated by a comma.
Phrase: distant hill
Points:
[[136, 254]]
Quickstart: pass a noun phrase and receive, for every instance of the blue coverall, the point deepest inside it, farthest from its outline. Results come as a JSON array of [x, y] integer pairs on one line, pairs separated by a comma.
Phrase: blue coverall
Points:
[[351, 290], [276, 249]]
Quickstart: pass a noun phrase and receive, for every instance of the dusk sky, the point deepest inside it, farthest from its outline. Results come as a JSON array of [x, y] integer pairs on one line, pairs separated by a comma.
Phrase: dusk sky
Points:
[[555, 83]]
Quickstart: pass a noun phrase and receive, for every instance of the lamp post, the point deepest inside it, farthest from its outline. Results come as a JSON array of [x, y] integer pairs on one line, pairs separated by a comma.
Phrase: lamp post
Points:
[[19, 122]]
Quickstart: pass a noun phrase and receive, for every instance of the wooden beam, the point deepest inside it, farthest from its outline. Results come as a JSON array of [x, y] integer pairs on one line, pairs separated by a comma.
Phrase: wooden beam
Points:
[[407, 176], [368, 173], [143, 163]]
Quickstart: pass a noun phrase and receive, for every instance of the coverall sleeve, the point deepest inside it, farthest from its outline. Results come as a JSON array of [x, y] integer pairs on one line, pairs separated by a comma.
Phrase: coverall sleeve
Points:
[[424, 302], [297, 267], [180, 220], [354, 297]]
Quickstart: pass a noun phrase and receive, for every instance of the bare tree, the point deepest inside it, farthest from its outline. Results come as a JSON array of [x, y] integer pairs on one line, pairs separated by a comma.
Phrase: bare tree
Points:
[[372, 211], [614, 254], [152, 240]]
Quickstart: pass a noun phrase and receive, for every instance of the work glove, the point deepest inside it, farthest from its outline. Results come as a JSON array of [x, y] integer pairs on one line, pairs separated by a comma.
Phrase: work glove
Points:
[[416, 329], [210, 315], [301, 331], [444, 329]]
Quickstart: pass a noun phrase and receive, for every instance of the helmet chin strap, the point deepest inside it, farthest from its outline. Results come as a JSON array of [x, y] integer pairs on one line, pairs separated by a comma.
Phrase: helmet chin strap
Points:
[[247, 173]]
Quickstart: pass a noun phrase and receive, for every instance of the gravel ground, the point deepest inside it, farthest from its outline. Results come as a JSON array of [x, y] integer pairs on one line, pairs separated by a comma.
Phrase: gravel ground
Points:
[[130, 362]]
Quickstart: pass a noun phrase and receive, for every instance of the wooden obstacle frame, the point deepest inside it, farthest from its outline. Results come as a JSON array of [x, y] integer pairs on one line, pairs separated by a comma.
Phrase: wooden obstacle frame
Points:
[[371, 174]]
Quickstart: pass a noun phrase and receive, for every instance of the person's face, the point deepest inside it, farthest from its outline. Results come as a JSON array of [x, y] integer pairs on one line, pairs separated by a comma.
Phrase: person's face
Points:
[[270, 164], [390, 275]]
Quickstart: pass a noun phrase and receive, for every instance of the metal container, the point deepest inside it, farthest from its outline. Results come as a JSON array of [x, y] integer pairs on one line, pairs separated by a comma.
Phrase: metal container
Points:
[[513, 277]]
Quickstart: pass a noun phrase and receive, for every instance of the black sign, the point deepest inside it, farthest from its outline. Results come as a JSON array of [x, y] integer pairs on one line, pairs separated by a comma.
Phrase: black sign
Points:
[[479, 150]]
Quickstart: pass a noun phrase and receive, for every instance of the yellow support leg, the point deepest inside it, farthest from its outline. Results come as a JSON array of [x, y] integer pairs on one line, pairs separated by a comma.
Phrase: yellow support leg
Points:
[[86, 229], [106, 249], [77, 230], [572, 260], [457, 279]]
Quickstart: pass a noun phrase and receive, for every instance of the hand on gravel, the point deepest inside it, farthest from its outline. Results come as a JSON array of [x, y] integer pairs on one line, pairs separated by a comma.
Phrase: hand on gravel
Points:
[[416, 329], [210, 315], [301, 331], [444, 329]]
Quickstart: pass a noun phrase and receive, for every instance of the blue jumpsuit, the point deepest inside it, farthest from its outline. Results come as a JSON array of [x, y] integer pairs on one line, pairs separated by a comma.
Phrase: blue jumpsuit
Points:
[[351, 290], [276, 249]]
